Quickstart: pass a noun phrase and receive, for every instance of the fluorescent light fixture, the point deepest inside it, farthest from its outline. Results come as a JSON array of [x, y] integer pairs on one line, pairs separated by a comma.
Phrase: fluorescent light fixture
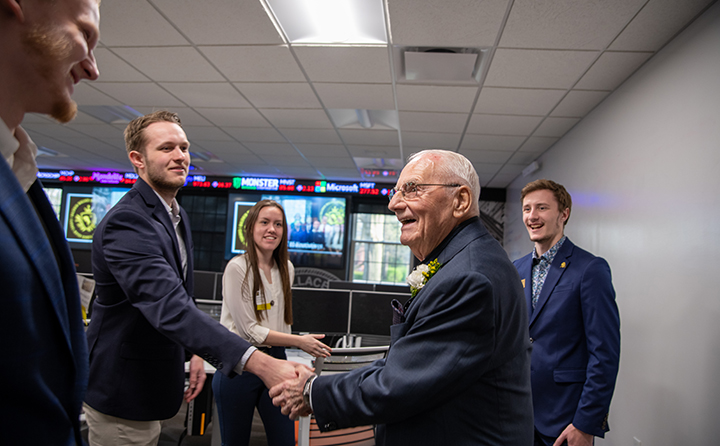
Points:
[[364, 119], [341, 22]]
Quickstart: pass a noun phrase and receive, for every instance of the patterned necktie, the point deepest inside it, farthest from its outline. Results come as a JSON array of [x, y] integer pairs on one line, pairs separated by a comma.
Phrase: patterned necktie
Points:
[[538, 278]]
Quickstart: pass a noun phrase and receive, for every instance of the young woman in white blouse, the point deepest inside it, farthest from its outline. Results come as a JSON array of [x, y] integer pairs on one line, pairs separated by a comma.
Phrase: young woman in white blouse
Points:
[[257, 305]]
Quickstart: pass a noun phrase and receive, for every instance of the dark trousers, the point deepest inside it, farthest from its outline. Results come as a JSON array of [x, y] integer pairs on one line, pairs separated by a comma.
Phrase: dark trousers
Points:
[[237, 399], [544, 440]]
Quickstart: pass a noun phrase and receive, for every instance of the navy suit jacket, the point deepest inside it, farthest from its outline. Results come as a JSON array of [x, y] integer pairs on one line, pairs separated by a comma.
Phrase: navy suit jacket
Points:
[[144, 318], [458, 368], [44, 353], [575, 329]]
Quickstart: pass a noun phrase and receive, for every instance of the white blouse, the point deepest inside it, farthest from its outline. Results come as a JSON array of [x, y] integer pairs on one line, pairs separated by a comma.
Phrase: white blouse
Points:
[[238, 313]]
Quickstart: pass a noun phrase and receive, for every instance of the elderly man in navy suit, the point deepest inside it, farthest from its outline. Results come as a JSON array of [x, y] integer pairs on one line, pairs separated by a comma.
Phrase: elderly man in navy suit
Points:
[[144, 318], [47, 48], [574, 324], [458, 368]]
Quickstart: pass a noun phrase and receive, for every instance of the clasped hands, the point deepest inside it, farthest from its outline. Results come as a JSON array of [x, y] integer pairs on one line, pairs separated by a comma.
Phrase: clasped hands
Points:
[[288, 395]]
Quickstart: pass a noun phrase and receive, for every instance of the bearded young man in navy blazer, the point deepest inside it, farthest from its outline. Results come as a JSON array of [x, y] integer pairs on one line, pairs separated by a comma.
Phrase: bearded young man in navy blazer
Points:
[[144, 318], [574, 324], [458, 368], [47, 48]]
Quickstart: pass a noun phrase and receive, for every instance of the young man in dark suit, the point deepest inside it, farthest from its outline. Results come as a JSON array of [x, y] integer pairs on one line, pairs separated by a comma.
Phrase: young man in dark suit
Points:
[[47, 48], [144, 318], [458, 368], [574, 324]]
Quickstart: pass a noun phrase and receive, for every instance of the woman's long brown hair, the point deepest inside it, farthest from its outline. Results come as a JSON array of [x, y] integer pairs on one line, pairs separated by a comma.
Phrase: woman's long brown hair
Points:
[[280, 255]]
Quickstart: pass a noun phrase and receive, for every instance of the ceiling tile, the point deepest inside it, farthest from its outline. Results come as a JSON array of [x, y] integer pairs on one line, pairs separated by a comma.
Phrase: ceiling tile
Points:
[[188, 116], [281, 160], [136, 23], [205, 133], [503, 124], [369, 137], [255, 63], [224, 148], [658, 21], [254, 134], [523, 158], [486, 156], [460, 23], [206, 95], [435, 98], [319, 136], [264, 149], [375, 152], [137, 94], [345, 64], [114, 69], [328, 150], [511, 101], [537, 144], [221, 22], [96, 130], [170, 64], [233, 117], [316, 119], [279, 95], [337, 173], [433, 122], [611, 70], [486, 170], [578, 103], [538, 68], [491, 142], [567, 24], [356, 96], [321, 162], [91, 94], [426, 140], [556, 126]]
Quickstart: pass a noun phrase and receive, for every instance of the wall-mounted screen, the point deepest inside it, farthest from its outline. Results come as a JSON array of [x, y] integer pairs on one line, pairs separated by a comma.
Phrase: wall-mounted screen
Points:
[[316, 227], [83, 211]]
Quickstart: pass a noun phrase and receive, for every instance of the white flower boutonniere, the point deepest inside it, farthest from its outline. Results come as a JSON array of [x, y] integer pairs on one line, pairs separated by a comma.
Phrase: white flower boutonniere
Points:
[[420, 275]]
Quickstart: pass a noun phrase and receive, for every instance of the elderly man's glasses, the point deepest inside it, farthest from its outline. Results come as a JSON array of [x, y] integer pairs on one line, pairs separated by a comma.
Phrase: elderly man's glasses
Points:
[[410, 189]]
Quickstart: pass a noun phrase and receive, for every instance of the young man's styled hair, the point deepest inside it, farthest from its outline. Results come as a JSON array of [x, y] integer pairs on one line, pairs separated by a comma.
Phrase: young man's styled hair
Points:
[[561, 195], [135, 131]]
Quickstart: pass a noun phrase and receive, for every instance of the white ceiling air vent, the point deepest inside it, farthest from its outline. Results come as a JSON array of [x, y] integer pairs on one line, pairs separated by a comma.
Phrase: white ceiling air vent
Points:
[[442, 66]]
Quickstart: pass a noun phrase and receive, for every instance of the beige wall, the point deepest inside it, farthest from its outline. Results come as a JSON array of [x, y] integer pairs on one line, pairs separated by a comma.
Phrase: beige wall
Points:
[[644, 172]]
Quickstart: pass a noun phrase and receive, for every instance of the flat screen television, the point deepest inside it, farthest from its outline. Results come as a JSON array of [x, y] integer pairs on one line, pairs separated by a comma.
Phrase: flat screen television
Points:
[[319, 310], [82, 212], [316, 227]]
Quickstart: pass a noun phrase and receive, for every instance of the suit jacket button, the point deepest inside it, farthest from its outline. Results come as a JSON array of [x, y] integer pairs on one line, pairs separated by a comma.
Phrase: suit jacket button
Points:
[[532, 340]]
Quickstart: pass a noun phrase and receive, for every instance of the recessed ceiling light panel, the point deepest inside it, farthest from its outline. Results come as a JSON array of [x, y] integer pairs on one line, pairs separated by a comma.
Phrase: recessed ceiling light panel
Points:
[[339, 22]]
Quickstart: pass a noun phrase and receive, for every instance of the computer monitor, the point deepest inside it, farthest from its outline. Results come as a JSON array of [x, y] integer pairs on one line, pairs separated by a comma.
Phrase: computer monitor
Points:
[[205, 285], [371, 313], [320, 310]]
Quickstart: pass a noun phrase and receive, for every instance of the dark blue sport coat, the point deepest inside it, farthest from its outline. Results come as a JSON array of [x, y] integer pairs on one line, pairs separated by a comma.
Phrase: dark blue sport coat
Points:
[[44, 354], [575, 329], [458, 368], [144, 318]]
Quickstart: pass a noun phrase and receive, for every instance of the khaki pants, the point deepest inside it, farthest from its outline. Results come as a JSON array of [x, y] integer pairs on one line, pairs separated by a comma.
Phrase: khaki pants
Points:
[[106, 430]]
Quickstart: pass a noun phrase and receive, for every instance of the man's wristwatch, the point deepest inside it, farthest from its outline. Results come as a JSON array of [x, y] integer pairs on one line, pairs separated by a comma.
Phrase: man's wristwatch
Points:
[[306, 390]]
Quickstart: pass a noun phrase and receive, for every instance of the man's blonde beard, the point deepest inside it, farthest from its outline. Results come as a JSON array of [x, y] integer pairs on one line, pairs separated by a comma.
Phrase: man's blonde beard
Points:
[[50, 50]]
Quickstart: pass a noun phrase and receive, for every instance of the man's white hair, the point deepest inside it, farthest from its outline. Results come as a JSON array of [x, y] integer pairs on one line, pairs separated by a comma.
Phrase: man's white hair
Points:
[[454, 168]]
